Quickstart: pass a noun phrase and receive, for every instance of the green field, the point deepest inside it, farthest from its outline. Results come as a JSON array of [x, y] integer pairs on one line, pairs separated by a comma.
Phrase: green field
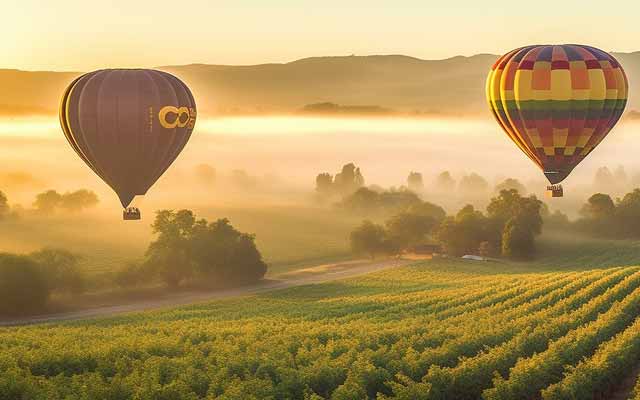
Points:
[[288, 237], [440, 329]]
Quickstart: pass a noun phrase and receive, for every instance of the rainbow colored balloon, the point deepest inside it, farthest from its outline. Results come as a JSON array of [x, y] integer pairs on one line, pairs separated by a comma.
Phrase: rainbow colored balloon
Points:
[[557, 103]]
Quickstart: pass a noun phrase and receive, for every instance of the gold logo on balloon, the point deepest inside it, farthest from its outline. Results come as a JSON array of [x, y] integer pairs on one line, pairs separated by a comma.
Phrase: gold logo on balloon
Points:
[[184, 117]]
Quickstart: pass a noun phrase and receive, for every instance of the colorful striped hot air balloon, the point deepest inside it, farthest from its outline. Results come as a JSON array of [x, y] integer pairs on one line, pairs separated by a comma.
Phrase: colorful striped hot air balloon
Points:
[[557, 103], [128, 126]]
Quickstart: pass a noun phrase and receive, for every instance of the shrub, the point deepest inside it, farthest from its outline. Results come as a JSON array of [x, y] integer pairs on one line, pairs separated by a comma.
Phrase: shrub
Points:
[[60, 268], [133, 274], [23, 287], [216, 252], [370, 239]]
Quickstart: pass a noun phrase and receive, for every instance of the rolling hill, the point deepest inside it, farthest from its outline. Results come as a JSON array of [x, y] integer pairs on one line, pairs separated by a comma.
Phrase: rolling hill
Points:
[[406, 84]]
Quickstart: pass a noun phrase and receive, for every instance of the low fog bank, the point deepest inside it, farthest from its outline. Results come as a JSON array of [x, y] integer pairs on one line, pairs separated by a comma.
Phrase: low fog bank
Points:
[[258, 161], [300, 186]]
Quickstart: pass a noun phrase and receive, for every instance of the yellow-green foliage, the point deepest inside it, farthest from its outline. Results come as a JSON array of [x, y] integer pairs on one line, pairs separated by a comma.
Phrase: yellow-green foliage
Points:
[[436, 330]]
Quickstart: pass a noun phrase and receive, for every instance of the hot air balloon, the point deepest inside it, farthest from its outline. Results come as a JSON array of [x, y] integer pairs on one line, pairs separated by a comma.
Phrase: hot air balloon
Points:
[[557, 103], [128, 126]]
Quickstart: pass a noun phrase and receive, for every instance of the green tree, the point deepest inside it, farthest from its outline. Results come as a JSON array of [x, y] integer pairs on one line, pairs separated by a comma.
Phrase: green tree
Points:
[[463, 233], [415, 182], [598, 206], [324, 184], [517, 240], [215, 253], [169, 254], [509, 204], [363, 201], [627, 215], [473, 184], [511, 184], [427, 209], [4, 205], [349, 179], [47, 202], [557, 220], [407, 229], [222, 254], [395, 201], [133, 274], [518, 219], [78, 200], [370, 239], [23, 288], [445, 182], [61, 270]]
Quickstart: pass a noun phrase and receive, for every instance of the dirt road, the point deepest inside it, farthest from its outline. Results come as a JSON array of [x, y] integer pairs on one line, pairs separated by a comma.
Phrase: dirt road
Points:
[[305, 276]]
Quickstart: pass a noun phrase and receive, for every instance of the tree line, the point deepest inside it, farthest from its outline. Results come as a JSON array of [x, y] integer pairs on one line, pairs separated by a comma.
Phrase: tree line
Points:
[[507, 228], [185, 251], [616, 219], [28, 280], [50, 201]]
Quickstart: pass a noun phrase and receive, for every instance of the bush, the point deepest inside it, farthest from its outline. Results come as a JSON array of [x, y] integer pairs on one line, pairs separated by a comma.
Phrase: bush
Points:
[[371, 239], [366, 201], [602, 217], [50, 201], [133, 274], [79, 200], [23, 287], [60, 270], [47, 202], [509, 217], [407, 229], [215, 253], [222, 254]]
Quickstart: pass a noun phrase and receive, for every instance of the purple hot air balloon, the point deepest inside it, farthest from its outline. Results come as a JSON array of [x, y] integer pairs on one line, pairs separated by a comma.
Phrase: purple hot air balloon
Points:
[[128, 125]]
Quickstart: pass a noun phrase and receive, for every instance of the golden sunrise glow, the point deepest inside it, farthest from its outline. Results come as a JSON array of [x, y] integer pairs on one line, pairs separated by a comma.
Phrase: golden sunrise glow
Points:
[[79, 35]]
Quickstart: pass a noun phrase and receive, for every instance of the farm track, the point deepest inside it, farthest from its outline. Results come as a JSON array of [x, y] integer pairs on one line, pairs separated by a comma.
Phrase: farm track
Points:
[[306, 276]]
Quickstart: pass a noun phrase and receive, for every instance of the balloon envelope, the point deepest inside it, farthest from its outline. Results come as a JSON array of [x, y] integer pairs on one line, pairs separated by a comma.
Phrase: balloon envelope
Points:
[[557, 103], [128, 125]]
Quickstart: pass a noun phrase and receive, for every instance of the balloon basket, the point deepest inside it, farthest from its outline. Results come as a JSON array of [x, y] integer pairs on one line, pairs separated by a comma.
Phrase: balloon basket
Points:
[[131, 214], [555, 191]]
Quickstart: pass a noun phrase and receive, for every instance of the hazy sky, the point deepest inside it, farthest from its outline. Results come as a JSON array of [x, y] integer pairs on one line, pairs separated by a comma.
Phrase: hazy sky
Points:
[[86, 34]]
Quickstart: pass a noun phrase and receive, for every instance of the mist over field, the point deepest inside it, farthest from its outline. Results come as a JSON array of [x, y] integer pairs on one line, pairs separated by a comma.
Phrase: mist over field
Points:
[[260, 172], [259, 161]]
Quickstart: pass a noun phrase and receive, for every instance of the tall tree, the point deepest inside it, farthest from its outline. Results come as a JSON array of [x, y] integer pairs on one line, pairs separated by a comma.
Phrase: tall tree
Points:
[[370, 239], [78, 200], [415, 182], [47, 202], [324, 184], [169, 253], [445, 182], [473, 184], [598, 206], [4, 205], [511, 184]]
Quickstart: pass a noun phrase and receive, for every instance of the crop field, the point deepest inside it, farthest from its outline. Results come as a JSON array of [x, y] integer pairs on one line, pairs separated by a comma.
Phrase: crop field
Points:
[[439, 329]]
